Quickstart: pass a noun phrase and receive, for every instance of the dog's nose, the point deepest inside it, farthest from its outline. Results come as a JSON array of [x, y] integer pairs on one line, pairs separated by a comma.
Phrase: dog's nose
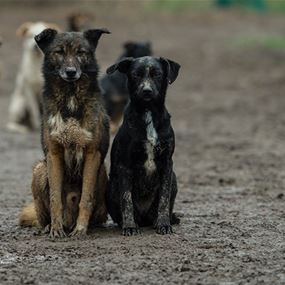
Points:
[[70, 71], [147, 93]]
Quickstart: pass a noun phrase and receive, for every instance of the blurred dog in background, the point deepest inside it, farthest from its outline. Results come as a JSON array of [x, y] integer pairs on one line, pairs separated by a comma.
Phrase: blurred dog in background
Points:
[[79, 21], [0, 61], [114, 86], [24, 110]]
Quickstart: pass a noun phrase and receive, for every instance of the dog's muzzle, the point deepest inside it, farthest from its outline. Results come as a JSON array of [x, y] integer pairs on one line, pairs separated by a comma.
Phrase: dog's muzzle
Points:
[[70, 74], [147, 94]]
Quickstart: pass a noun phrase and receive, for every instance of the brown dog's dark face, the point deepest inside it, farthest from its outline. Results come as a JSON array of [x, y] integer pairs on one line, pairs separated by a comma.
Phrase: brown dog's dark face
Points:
[[71, 54]]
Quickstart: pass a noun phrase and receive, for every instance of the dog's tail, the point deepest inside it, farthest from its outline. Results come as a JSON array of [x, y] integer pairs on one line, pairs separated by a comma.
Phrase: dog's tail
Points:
[[28, 216]]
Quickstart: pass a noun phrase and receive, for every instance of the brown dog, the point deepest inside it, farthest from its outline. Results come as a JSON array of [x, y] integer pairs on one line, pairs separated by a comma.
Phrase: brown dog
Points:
[[32, 217], [75, 133]]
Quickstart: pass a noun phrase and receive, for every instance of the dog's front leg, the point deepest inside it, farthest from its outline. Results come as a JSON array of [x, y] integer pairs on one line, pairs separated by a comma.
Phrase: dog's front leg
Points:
[[162, 224], [129, 225], [90, 176], [55, 178]]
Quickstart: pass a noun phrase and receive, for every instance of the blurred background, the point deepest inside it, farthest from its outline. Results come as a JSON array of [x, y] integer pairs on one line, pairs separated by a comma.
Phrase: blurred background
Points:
[[227, 108]]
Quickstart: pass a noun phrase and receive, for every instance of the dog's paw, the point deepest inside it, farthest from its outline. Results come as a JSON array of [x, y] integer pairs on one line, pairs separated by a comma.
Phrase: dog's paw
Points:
[[101, 215], [17, 128], [57, 231], [79, 231], [175, 220], [46, 230], [164, 229], [131, 231], [163, 226]]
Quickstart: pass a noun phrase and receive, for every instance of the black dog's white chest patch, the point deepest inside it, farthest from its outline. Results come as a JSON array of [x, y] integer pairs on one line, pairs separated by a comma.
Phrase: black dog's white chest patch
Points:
[[151, 142]]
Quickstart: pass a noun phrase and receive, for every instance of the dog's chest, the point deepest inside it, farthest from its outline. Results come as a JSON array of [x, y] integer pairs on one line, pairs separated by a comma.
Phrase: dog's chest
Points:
[[73, 159], [68, 133], [150, 144]]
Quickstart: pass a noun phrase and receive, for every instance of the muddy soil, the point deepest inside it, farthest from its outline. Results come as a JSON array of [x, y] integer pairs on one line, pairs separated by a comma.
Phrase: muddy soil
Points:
[[227, 110]]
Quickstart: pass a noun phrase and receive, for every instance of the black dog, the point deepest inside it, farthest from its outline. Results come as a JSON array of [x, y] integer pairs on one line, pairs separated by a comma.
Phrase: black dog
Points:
[[143, 185], [114, 86]]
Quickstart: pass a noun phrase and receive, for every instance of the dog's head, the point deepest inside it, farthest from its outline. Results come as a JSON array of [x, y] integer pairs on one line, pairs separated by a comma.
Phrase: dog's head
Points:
[[137, 49], [29, 30], [148, 77], [70, 54]]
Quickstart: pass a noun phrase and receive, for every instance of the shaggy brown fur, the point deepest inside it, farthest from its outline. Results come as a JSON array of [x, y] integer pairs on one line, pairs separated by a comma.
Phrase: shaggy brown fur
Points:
[[75, 136], [29, 217]]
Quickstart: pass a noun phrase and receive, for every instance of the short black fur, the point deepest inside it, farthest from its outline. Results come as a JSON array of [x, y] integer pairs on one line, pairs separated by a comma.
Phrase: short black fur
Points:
[[143, 187]]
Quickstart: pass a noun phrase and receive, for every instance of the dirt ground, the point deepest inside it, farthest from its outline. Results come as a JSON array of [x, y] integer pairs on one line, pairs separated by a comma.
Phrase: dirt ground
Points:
[[227, 110]]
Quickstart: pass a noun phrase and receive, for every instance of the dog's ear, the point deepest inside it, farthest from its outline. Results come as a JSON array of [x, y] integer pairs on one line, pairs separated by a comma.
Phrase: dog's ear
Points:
[[129, 46], [148, 45], [45, 38], [23, 30], [94, 35], [172, 69], [122, 66], [53, 26]]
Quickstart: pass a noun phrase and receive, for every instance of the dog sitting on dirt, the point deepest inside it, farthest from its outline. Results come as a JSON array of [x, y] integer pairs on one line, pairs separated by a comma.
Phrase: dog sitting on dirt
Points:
[[24, 109], [28, 216], [114, 86], [75, 135], [142, 186]]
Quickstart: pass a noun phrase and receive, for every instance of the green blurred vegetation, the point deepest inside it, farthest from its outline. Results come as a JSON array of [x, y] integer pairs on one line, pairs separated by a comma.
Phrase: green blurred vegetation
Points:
[[180, 5], [259, 5], [270, 42], [275, 6]]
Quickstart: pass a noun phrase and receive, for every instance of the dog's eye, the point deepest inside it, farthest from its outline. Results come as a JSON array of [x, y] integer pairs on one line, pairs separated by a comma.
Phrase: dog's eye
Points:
[[81, 52], [156, 75], [136, 75], [59, 51]]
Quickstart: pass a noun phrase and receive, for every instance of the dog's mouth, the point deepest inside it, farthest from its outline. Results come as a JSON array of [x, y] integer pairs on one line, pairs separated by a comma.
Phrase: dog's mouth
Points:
[[147, 99], [70, 79]]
